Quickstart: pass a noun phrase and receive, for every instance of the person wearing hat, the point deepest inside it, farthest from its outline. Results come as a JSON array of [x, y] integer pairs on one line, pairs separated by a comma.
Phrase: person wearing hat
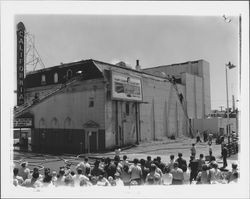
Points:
[[24, 171]]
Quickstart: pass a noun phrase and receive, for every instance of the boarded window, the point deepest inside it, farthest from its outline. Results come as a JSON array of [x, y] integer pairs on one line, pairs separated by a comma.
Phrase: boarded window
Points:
[[55, 78], [127, 108], [43, 79], [91, 102], [69, 74]]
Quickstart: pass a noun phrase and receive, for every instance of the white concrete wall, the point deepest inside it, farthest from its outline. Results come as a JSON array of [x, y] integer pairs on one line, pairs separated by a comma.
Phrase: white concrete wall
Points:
[[162, 114], [199, 69], [190, 95], [73, 103], [204, 71], [198, 97], [213, 125]]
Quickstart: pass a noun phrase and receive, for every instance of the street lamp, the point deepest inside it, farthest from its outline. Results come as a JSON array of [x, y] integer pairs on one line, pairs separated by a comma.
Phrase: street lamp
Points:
[[229, 66]]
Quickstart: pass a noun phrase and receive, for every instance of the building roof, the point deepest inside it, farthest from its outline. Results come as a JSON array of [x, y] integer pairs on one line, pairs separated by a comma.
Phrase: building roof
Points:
[[183, 63], [99, 64]]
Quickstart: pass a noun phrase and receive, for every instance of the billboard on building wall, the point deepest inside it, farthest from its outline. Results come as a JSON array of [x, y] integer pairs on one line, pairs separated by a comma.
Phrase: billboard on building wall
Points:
[[126, 87], [20, 63], [23, 122]]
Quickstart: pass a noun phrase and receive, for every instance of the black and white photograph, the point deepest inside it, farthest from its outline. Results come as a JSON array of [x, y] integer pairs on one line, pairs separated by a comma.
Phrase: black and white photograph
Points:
[[111, 99]]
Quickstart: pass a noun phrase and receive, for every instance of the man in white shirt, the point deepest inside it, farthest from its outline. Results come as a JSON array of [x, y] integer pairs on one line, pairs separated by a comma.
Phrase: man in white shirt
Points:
[[177, 174], [167, 177], [135, 171]]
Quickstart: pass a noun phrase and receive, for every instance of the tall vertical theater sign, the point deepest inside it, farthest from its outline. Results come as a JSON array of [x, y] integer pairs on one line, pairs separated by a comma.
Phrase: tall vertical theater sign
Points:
[[20, 63]]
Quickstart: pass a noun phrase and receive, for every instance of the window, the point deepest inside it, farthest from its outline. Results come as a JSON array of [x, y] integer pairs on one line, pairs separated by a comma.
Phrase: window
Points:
[[91, 102], [55, 78], [127, 108], [43, 79], [69, 74]]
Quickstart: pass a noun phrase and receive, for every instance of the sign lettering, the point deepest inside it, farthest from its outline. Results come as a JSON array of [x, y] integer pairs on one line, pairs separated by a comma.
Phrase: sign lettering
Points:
[[20, 63], [23, 122]]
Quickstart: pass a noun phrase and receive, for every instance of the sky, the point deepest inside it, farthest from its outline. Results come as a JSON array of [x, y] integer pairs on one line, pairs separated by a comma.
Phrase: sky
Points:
[[154, 40]]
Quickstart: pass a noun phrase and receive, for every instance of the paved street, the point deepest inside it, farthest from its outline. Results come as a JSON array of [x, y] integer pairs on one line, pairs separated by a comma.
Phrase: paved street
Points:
[[163, 148]]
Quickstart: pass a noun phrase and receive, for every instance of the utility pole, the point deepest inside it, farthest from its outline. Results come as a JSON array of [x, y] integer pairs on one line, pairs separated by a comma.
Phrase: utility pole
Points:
[[230, 66], [233, 101], [227, 99]]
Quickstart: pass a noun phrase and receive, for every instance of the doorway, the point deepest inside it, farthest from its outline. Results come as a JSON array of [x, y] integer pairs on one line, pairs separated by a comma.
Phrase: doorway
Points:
[[92, 141]]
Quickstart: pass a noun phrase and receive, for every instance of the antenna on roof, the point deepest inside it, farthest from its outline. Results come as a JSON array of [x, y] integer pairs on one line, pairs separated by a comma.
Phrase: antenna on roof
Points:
[[33, 59]]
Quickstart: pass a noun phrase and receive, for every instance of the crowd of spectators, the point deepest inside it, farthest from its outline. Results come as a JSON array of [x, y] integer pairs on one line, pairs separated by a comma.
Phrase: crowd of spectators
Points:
[[117, 172]]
